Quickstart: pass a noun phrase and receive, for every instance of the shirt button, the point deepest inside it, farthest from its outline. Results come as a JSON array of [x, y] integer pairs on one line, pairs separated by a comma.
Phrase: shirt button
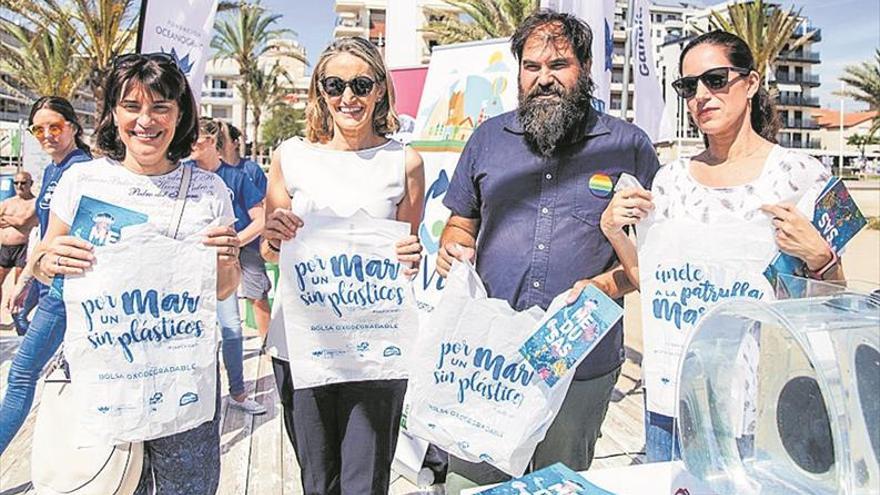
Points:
[[545, 210], [541, 247], [536, 284], [549, 176]]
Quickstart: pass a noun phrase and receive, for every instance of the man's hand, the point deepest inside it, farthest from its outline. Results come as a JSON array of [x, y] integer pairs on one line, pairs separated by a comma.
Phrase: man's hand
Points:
[[452, 251], [575, 292]]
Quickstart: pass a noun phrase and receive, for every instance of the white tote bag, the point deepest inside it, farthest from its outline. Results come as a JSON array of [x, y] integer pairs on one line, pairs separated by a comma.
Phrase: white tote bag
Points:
[[349, 311], [473, 394], [142, 342], [685, 267]]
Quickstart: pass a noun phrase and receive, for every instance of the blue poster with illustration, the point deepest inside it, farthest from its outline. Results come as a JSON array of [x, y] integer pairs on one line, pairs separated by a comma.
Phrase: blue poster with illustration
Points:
[[557, 479], [101, 223], [566, 338]]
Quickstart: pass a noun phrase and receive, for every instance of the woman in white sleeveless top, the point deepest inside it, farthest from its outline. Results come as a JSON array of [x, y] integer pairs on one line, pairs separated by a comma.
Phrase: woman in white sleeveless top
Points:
[[344, 434], [742, 190]]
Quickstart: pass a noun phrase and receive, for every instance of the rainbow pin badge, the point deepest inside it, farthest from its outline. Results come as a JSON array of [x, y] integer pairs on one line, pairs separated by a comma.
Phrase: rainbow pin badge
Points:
[[601, 185]]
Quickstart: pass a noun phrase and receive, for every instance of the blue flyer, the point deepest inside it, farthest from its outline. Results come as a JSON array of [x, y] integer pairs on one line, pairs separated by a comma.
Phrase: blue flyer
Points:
[[561, 342], [100, 223], [557, 479], [836, 217]]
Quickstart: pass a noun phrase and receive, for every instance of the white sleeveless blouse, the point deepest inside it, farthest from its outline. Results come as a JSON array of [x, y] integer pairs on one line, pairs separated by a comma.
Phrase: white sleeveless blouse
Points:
[[372, 179], [316, 178]]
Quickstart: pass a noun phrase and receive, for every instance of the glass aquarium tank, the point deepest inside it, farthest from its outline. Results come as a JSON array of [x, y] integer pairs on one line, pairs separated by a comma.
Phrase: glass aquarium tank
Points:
[[783, 397]]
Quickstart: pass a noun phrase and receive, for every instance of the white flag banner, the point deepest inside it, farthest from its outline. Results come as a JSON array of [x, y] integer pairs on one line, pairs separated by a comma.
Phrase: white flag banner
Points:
[[349, 311], [182, 29], [599, 15], [402, 48], [142, 342], [648, 93]]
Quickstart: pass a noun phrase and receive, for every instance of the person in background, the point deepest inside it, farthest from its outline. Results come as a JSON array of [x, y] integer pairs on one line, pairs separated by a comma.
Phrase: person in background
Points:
[[247, 203], [743, 175], [344, 434], [18, 217], [255, 284], [54, 124], [531, 185]]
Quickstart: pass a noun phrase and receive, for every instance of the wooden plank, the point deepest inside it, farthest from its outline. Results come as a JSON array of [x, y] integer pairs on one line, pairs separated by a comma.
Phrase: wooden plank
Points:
[[265, 470], [235, 437], [291, 481]]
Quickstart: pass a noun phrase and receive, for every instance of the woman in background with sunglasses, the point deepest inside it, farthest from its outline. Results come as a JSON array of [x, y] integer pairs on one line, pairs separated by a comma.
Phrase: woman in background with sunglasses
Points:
[[344, 434], [53, 122], [743, 178]]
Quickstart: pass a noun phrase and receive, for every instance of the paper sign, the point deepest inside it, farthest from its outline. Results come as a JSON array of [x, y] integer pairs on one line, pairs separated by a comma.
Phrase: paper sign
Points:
[[563, 341]]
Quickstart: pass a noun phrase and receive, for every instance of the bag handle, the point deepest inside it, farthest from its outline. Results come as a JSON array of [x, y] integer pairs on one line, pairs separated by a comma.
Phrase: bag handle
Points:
[[180, 201]]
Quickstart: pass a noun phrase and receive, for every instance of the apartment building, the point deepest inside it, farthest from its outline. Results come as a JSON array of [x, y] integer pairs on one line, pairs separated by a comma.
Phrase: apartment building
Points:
[[221, 98], [366, 18]]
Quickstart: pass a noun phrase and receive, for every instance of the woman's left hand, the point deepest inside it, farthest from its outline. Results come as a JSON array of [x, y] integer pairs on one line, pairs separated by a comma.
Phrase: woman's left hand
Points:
[[409, 254], [225, 241], [795, 235]]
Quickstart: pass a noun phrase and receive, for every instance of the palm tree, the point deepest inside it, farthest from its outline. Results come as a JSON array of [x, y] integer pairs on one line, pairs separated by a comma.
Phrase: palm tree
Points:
[[863, 84], [487, 19], [766, 28], [267, 90], [100, 29], [44, 62], [244, 39]]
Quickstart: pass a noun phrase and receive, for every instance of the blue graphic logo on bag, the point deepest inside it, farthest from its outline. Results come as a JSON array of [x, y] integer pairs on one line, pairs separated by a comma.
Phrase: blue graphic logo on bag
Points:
[[103, 409], [391, 351], [347, 281], [486, 458], [463, 445], [482, 372], [363, 347], [189, 398], [156, 398]]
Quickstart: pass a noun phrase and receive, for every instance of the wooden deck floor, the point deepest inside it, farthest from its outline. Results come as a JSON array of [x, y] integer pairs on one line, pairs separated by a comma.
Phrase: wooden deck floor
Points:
[[257, 459]]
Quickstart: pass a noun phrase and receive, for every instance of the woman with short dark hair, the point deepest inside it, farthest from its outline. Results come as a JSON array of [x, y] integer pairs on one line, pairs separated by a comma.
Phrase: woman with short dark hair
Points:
[[148, 124]]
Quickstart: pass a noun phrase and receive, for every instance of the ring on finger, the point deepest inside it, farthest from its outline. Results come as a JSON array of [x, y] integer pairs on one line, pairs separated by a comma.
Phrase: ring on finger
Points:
[[58, 261]]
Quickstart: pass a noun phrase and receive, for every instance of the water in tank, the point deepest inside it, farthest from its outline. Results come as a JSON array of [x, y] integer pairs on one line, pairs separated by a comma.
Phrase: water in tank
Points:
[[784, 397]]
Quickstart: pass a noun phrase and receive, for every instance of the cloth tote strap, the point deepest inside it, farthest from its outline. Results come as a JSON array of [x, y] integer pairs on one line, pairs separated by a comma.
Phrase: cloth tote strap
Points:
[[180, 201]]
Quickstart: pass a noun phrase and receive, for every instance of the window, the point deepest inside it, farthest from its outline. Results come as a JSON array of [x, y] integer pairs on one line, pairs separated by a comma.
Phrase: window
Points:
[[220, 112]]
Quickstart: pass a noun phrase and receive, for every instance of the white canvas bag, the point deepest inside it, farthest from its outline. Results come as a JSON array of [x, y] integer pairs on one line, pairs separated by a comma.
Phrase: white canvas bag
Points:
[[348, 310], [142, 342], [472, 392]]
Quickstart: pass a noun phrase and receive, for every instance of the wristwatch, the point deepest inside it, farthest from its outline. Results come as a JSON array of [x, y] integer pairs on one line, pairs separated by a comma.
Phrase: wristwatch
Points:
[[822, 272]]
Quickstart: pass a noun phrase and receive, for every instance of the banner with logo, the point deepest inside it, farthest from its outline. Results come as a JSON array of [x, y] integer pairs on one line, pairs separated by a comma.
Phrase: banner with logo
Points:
[[183, 29], [599, 15], [142, 342], [349, 311], [466, 84], [649, 105]]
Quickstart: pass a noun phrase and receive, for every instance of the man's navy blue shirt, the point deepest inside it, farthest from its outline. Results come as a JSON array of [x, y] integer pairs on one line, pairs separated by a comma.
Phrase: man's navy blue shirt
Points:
[[256, 174], [244, 194], [539, 216]]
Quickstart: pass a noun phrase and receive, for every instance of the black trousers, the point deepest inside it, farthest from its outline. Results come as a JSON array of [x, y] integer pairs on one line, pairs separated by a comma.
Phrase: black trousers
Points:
[[344, 434]]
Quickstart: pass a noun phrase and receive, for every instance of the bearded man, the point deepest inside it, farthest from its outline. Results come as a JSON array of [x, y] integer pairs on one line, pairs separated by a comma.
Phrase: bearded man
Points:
[[526, 198]]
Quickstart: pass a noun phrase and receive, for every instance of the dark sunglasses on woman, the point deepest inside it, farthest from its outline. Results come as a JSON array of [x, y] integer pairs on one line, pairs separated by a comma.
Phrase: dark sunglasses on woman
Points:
[[131, 58], [335, 86], [714, 79]]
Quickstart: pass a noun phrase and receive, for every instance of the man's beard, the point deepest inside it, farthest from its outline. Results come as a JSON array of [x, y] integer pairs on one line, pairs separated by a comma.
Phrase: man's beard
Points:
[[549, 123]]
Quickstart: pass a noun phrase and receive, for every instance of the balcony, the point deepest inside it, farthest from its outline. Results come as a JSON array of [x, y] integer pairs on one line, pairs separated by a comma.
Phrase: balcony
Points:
[[800, 56], [803, 29], [799, 124], [227, 93], [795, 100], [811, 80], [347, 26], [812, 144]]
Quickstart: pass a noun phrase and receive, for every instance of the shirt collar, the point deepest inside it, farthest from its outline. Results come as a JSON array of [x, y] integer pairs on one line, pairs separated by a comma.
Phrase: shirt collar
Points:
[[70, 158], [594, 125]]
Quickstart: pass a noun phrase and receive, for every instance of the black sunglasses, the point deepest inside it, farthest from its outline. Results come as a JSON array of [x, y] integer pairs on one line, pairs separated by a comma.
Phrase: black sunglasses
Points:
[[335, 86], [714, 79], [21, 182], [130, 58]]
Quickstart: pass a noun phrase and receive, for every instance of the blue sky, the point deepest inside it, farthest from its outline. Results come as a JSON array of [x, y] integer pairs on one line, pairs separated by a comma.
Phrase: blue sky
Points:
[[850, 33]]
